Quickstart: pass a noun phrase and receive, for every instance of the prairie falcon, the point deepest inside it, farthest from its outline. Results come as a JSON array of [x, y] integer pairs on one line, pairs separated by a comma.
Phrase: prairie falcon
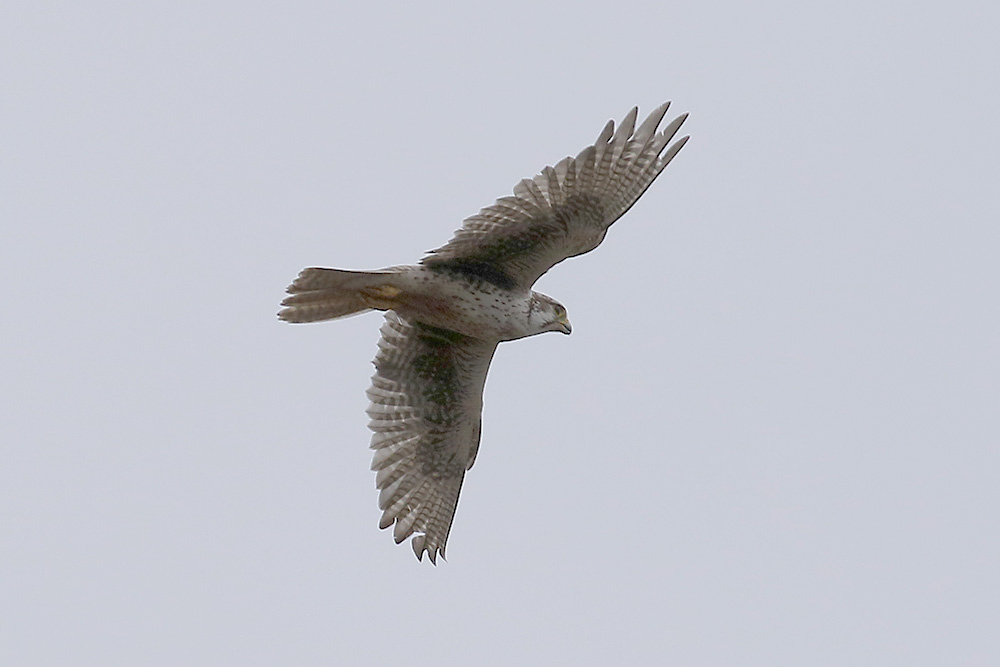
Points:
[[445, 316]]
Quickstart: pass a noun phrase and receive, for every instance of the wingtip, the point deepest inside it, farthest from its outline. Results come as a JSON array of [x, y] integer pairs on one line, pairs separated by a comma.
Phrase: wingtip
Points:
[[671, 150], [629, 119], [431, 555], [606, 133]]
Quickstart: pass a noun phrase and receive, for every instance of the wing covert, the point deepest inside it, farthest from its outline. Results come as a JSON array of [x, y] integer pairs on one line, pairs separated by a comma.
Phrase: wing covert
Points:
[[565, 210]]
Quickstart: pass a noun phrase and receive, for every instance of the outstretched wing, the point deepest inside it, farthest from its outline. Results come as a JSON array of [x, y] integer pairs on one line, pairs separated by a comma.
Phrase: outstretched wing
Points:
[[565, 210], [426, 407]]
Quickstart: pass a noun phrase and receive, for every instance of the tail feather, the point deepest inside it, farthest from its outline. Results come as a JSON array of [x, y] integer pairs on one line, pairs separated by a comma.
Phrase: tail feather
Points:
[[327, 294]]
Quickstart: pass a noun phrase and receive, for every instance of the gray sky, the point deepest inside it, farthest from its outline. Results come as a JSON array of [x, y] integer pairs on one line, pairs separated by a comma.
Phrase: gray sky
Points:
[[772, 438]]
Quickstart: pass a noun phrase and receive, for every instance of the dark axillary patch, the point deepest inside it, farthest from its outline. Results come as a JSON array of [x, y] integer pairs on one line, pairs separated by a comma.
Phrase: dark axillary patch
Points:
[[486, 262], [474, 269], [436, 367]]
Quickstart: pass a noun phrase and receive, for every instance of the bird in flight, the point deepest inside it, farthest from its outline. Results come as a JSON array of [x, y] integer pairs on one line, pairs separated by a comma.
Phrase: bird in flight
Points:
[[445, 316]]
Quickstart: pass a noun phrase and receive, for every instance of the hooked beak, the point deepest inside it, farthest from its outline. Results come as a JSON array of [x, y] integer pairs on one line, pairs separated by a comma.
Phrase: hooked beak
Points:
[[565, 326]]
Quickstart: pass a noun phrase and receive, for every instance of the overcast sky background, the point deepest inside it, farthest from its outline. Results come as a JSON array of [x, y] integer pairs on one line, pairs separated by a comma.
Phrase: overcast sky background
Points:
[[772, 438]]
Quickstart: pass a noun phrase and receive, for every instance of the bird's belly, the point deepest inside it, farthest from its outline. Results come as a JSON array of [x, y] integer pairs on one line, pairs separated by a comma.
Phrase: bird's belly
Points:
[[481, 311]]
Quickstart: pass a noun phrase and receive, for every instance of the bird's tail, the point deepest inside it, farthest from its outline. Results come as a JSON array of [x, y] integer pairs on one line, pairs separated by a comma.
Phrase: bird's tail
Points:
[[328, 294]]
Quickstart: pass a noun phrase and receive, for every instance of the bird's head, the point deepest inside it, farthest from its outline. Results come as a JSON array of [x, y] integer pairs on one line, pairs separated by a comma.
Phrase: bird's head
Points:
[[547, 314]]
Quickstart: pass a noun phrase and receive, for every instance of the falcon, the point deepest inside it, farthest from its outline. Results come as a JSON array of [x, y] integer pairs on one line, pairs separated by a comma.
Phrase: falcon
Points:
[[445, 316]]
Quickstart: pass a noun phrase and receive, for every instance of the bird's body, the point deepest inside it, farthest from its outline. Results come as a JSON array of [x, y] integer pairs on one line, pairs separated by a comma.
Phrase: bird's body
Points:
[[443, 298], [446, 316]]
